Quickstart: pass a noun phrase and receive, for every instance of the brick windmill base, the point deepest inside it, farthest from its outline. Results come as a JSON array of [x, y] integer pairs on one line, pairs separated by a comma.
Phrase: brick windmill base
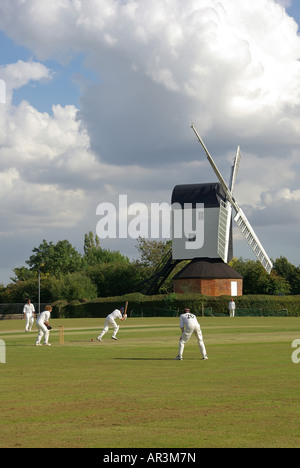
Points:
[[210, 277]]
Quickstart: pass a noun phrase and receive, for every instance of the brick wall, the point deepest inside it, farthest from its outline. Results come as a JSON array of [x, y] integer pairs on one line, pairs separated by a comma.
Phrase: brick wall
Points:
[[208, 287]]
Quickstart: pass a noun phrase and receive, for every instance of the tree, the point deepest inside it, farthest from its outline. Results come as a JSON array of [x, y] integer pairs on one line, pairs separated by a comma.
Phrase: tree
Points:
[[73, 286], [152, 251], [94, 255], [91, 244], [257, 280], [23, 274], [55, 259], [20, 290], [289, 272], [116, 279]]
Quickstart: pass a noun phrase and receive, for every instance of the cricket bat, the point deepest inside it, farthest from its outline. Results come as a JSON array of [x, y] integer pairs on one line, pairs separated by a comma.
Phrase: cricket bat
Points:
[[125, 311]]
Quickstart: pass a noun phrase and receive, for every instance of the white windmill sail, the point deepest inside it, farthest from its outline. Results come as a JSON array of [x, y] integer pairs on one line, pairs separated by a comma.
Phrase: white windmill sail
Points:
[[234, 170], [240, 217], [252, 239], [224, 230], [226, 213]]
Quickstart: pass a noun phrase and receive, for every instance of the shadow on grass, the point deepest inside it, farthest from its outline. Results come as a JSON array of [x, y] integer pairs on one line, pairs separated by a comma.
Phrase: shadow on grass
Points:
[[143, 359]]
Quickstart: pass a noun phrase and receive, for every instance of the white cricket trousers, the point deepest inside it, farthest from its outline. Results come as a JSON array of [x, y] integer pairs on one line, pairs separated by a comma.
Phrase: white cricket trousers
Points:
[[43, 331], [186, 335], [109, 323], [29, 322]]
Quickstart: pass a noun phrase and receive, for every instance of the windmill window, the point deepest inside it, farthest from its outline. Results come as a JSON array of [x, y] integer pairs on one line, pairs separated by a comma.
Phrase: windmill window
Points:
[[191, 237]]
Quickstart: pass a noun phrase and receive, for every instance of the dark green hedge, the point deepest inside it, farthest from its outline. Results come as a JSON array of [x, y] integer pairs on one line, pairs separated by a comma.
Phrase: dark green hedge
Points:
[[173, 304]]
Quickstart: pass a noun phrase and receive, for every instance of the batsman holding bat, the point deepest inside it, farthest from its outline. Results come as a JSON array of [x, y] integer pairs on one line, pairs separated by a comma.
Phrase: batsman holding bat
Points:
[[110, 321]]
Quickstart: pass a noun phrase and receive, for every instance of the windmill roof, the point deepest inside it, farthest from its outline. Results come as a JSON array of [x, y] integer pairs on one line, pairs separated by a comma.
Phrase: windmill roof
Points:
[[209, 194], [209, 268]]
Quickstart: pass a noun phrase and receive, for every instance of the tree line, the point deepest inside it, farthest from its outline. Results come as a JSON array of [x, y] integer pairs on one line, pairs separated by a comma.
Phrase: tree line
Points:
[[65, 274]]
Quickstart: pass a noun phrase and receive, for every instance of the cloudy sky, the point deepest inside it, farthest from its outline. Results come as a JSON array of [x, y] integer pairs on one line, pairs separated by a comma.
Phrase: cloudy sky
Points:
[[99, 99]]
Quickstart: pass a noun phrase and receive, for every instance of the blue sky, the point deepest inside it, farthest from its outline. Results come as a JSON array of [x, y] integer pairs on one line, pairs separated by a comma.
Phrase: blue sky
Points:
[[100, 98], [294, 10], [63, 88]]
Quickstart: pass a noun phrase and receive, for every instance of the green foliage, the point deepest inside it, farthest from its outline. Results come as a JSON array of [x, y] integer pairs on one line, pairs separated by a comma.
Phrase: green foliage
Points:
[[152, 252], [90, 243], [73, 286], [23, 274], [152, 306], [55, 259], [289, 272], [66, 274], [116, 278], [64, 287], [18, 292], [94, 255], [257, 280]]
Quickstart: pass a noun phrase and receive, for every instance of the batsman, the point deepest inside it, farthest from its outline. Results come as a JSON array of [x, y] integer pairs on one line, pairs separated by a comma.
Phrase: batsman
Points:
[[110, 321]]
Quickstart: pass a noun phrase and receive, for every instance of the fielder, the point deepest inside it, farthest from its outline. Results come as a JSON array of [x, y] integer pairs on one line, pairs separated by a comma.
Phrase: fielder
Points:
[[189, 325], [231, 307], [43, 326], [110, 321], [28, 311]]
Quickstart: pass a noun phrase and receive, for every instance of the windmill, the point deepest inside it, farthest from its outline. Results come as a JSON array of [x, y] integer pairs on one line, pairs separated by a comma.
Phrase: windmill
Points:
[[209, 244], [207, 241]]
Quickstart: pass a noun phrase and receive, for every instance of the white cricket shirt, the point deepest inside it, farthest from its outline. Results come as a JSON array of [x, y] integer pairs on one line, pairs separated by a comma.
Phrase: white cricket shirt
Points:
[[28, 309], [115, 314], [44, 317], [188, 319]]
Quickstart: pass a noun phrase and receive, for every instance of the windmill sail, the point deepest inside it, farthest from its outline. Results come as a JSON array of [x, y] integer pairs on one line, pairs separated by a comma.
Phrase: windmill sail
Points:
[[235, 170], [240, 218], [224, 230], [253, 241], [226, 214]]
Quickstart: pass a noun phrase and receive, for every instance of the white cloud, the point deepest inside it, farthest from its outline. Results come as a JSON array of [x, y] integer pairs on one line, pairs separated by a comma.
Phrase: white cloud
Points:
[[2, 92], [231, 67], [16, 75], [285, 3]]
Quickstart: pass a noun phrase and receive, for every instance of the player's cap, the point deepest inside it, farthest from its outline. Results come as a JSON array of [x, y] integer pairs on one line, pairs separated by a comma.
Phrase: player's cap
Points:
[[186, 310], [121, 308]]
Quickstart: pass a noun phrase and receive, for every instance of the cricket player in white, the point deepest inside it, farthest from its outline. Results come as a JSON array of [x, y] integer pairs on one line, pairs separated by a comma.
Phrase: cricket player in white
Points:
[[110, 321], [189, 325], [231, 307], [28, 311], [41, 323]]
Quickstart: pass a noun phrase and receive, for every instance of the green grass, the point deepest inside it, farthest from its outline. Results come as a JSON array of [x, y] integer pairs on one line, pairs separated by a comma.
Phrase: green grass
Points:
[[132, 394]]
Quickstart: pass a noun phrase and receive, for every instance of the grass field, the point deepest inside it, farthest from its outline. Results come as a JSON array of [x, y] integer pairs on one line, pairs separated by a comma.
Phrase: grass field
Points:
[[132, 394]]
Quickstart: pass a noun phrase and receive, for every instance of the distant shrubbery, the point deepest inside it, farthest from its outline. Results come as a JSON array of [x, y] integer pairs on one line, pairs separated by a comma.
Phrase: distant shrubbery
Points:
[[63, 274], [173, 304]]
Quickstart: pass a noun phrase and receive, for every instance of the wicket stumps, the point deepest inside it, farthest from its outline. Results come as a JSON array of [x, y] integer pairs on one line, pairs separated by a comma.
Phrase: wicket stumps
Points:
[[61, 335]]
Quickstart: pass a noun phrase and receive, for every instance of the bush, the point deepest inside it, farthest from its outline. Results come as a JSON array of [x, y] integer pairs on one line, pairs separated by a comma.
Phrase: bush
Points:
[[174, 304], [18, 292], [73, 286], [114, 279]]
